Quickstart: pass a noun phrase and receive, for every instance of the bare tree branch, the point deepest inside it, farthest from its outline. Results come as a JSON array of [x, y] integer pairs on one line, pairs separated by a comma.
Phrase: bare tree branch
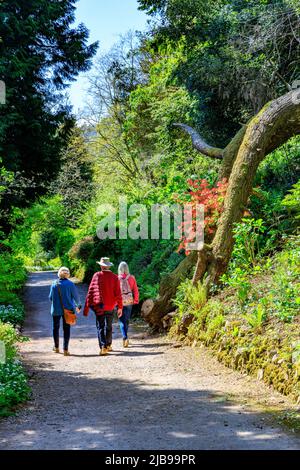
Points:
[[199, 144]]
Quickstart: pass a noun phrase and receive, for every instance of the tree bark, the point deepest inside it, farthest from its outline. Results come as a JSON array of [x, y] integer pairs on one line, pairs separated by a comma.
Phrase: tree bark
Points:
[[278, 121], [167, 291], [200, 144]]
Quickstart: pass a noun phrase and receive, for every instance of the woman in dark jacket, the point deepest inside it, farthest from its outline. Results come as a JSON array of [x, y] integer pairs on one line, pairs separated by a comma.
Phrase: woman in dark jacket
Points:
[[70, 300]]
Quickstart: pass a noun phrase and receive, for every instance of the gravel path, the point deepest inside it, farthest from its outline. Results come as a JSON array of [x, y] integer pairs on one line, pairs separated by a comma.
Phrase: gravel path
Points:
[[151, 396]]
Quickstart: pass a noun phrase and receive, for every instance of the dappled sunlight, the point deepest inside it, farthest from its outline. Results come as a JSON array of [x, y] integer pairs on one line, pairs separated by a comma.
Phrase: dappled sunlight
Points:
[[122, 414], [147, 396], [181, 435], [252, 436]]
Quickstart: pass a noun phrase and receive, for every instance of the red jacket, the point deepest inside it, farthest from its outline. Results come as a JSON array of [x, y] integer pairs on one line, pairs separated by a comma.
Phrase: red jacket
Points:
[[109, 293], [133, 286]]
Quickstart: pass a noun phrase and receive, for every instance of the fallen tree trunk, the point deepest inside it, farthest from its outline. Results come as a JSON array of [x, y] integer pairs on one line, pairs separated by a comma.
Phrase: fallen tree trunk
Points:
[[278, 121]]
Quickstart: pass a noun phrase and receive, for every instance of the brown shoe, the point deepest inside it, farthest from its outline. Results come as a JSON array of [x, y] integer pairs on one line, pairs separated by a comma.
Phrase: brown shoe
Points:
[[126, 343], [109, 348], [56, 350], [66, 353], [103, 352]]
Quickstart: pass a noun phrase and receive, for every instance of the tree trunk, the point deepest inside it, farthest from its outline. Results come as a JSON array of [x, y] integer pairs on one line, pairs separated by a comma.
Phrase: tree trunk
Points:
[[272, 127], [167, 290], [278, 121]]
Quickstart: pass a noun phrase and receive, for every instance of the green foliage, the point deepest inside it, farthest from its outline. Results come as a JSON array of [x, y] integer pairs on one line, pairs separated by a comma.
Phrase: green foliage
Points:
[[12, 277], [292, 203], [190, 298], [281, 169], [271, 289], [211, 65], [10, 314], [148, 291], [246, 255], [248, 236], [139, 89], [74, 182], [239, 280], [13, 387], [153, 108], [284, 297], [215, 324], [13, 381], [6, 177], [45, 53], [261, 335], [10, 337], [252, 343], [43, 235], [257, 317], [237, 54]]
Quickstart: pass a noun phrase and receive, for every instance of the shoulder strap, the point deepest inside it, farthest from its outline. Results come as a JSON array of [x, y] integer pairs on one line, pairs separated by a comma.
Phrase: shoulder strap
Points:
[[60, 296]]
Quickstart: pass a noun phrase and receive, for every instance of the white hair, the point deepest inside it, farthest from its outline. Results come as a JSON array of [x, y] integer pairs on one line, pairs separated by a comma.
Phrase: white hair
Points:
[[63, 273], [123, 268]]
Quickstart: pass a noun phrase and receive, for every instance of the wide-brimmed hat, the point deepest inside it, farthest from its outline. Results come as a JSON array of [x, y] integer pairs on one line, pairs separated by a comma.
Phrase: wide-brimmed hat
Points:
[[105, 262]]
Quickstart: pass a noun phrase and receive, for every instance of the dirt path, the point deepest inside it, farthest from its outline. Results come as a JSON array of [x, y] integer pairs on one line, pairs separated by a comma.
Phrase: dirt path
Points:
[[152, 396]]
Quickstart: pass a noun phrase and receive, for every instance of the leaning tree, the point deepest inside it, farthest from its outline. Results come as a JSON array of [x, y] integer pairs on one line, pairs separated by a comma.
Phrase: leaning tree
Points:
[[277, 122]]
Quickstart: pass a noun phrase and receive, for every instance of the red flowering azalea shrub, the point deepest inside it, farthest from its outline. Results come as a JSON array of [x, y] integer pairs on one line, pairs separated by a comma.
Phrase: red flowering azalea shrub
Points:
[[212, 198]]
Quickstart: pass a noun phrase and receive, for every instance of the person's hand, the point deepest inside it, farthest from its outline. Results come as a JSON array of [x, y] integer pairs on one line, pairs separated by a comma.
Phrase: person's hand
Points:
[[120, 312]]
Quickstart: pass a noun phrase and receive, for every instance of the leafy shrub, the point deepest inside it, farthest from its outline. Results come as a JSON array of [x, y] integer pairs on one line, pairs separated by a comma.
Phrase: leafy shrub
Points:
[[239, 280], [13, 386], [12, 276], [292, 203], [13, 380], [190, 298], [257, 317], [82, 249], [275, 290], [248, 239], [212, 198], [148, 291], [272, 348], [280, 169], [48, 240], [10, 314], [285, 291], [10, 337]]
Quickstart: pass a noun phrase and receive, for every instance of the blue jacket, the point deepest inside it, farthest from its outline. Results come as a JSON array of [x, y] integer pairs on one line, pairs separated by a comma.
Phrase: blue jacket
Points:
[[69, 294]]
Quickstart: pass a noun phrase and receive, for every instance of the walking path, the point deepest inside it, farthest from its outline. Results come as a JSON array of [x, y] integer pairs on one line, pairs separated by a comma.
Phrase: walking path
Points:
[[151, 396]]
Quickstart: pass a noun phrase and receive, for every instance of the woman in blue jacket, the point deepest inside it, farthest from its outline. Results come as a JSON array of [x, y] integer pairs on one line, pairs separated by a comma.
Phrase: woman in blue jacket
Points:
[[70, 301]]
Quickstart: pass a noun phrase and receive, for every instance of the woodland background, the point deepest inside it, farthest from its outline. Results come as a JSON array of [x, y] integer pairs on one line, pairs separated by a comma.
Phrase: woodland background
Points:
[[212, 65]]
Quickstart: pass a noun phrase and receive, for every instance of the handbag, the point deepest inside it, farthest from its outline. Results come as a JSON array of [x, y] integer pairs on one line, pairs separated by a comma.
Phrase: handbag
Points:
[[69, 315], [127, 295]]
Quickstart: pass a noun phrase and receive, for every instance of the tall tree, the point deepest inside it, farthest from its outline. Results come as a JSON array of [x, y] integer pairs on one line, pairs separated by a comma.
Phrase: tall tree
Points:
[[115, 75], [40, 55], [275, 123], [75, 180], [240, 55]]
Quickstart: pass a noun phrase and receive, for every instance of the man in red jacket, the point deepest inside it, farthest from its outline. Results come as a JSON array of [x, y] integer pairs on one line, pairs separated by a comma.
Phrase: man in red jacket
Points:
[[103, 295]]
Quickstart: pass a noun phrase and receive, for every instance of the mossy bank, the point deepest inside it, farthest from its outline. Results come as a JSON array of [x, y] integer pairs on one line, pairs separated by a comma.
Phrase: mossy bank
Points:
[[257, 332]]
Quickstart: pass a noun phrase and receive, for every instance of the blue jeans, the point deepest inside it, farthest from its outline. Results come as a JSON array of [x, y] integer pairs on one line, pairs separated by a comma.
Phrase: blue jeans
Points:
[[67, 331], [104, 328], [124, 320]]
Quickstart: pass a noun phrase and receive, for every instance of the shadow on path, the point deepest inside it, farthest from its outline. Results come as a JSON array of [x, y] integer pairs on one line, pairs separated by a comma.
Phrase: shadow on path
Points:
[[132, 399]]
